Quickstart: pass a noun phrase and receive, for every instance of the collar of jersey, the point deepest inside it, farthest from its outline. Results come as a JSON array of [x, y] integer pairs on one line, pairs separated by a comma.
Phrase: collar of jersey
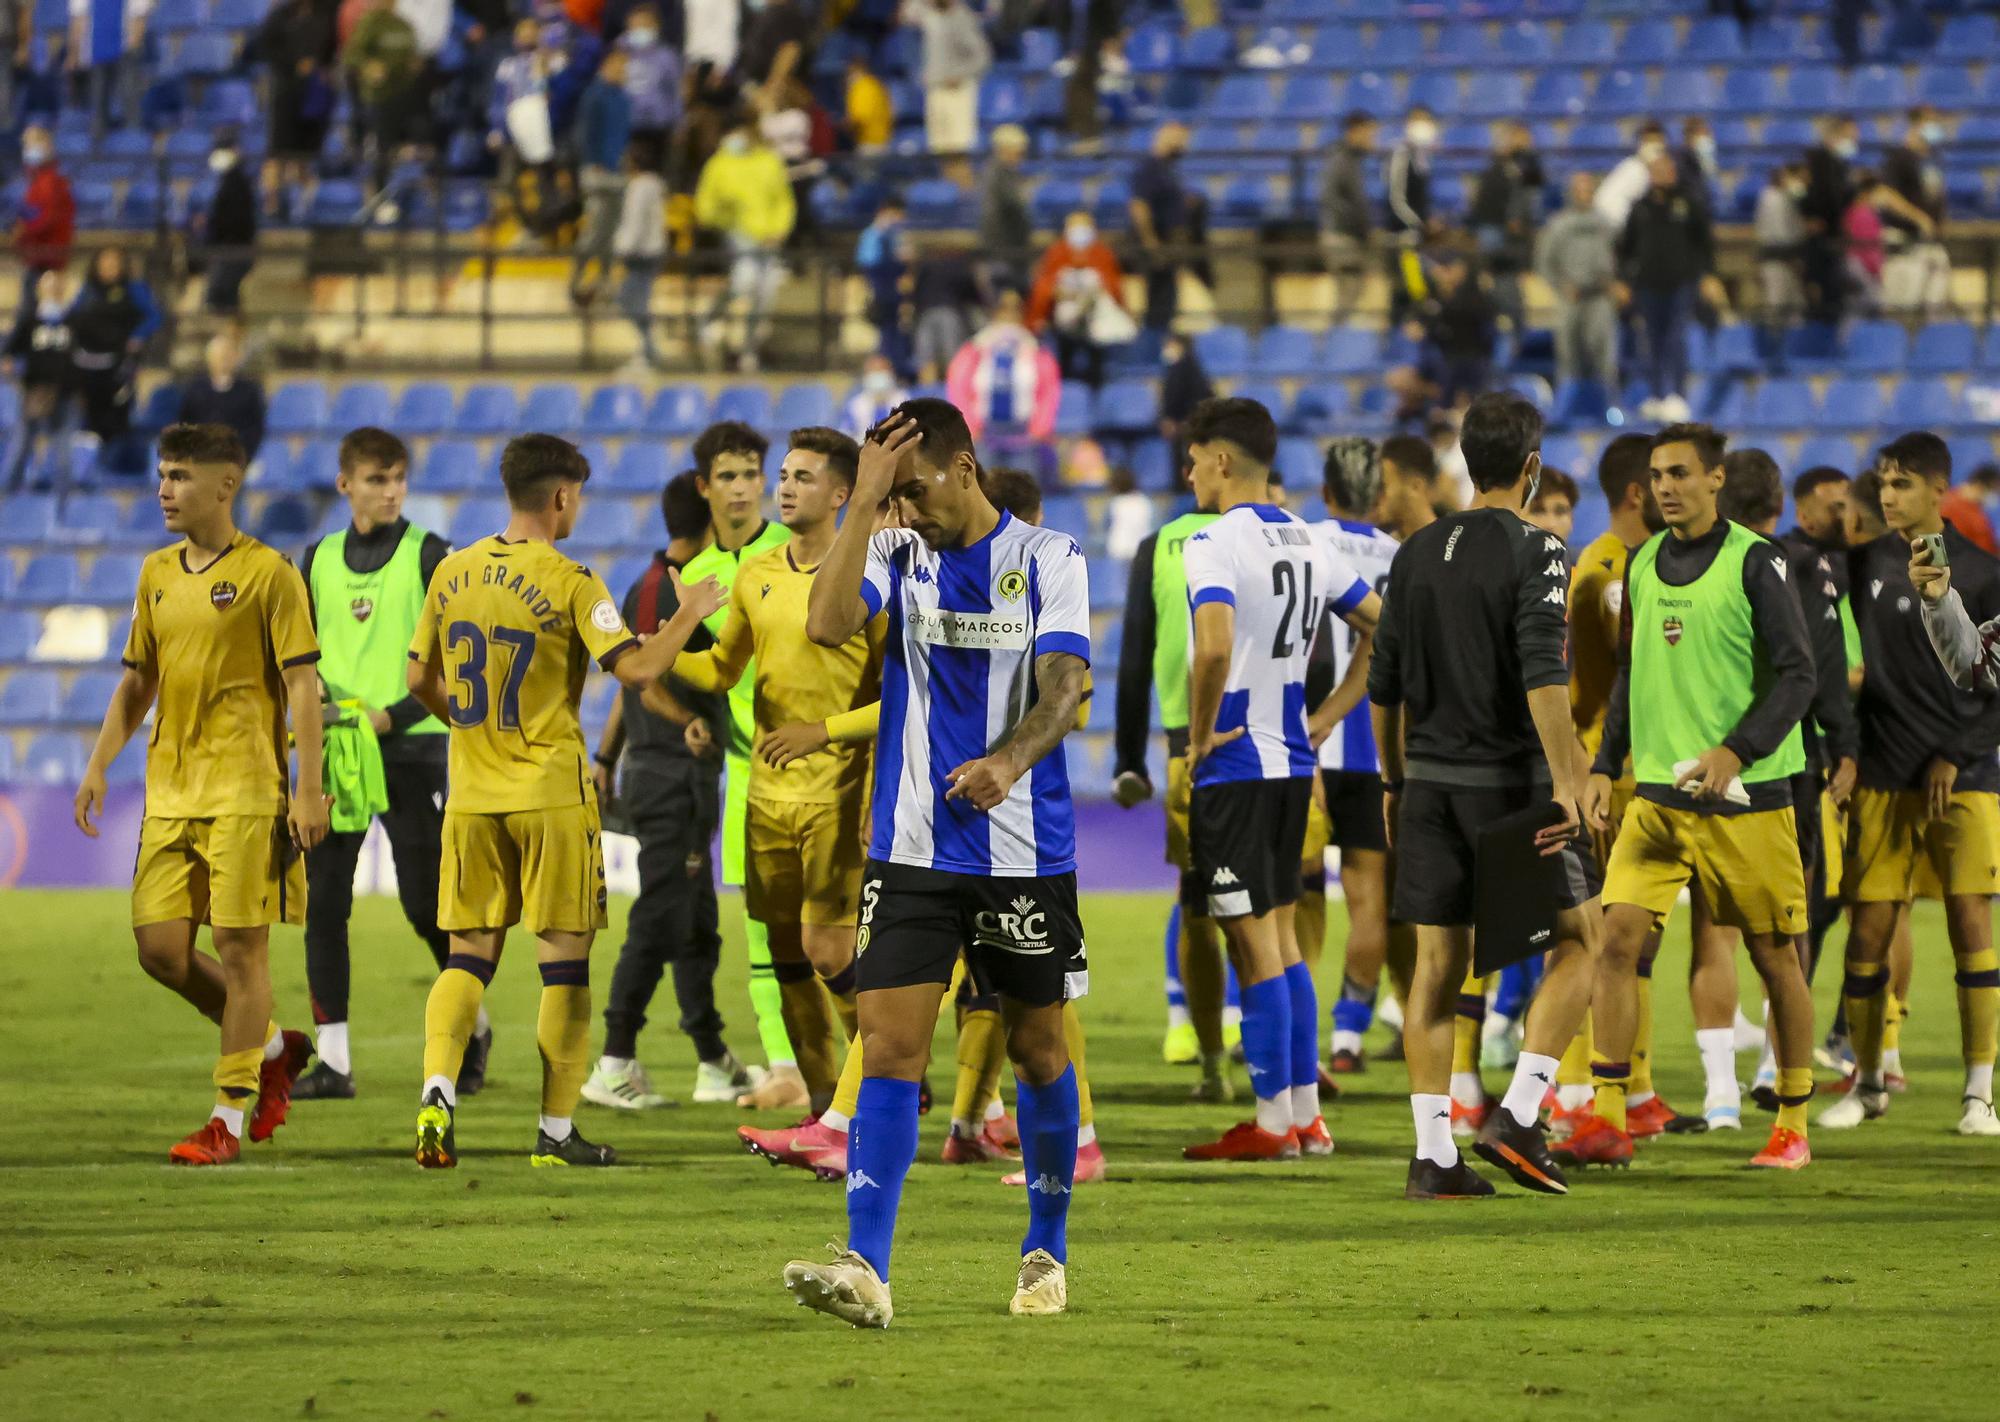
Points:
[[1005, 519], [1269, 513], [1354, 525], [235, 539]]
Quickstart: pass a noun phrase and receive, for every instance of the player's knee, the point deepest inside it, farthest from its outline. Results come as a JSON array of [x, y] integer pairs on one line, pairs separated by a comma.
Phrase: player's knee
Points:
[[895, 1049], [166, 963], [240, 949], [1036, 1046]]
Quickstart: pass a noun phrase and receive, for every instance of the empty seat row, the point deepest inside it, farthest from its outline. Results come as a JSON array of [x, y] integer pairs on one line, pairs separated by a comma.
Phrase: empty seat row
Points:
[[611, 411]]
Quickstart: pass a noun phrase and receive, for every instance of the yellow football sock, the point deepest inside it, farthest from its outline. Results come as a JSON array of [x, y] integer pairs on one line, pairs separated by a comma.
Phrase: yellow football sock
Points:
[[1073, 1034], [847, 1095], [1465, 1026], [1795, 1088], [1979, 1006], [451, 1012], [1309, 921], [1574, 1068], [1867, 994], [808, 1014], [1642, 1040], [562, 1031], [976, 1036], [236, 1077], [1613, 1080]]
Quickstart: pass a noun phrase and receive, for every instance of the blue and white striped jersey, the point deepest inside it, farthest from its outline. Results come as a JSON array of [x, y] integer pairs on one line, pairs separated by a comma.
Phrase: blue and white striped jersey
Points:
[[1369, 551], [1280, 578], [958, 673]]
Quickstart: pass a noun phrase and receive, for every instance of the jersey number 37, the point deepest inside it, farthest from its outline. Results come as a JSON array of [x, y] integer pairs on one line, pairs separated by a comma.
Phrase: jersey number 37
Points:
[[469, 678]]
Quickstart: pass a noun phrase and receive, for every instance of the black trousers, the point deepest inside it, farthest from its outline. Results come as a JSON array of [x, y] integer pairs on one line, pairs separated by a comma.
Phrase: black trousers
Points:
[[414, 823], [673, 810]]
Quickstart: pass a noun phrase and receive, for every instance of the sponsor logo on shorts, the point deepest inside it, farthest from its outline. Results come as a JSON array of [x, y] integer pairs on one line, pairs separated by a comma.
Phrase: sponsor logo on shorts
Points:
[[1024, 930], [221, 593], [363, 608], [1670, 628]]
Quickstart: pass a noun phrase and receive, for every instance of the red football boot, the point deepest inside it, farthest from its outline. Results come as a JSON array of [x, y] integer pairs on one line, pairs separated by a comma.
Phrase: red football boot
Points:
[[1595, 1141], [1786, 1150], [274, 1085], [213, 1144], [1246, 1140]]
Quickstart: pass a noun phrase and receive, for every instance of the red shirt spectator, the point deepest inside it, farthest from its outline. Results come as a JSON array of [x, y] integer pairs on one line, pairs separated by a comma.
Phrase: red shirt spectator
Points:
[[47, 225], [1964, 514], [1067, 255]]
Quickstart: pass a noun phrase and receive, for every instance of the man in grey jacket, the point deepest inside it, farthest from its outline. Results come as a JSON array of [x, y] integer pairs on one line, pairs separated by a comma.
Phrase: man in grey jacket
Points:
[[1576, 257], [1346, 224]]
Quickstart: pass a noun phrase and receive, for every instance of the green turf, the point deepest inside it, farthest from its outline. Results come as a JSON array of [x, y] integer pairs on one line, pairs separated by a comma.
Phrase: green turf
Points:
[[328, 1277]]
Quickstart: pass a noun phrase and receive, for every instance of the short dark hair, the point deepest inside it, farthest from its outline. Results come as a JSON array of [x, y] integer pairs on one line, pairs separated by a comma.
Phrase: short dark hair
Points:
[[1352, 477], [1922, 453], [1625, 461], [1753, 491], [1867, 491], [683, 507], [1554, 481], [1412, 453], [944, 435], [1356, 120], [1815, 479], [202, 444], [533, 464], [1708, 441], [843, 455], [369, 445], [1014, 490], [1242, 422], [1500, 430], [727, 437]]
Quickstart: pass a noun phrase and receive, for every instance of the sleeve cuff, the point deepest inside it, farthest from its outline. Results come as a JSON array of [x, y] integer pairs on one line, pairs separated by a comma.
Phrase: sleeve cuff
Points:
[[1351, 599], [128, 662], [871, 597], [1073, 643], [1208, 595], [1539, 680], [614, 653], [303, 659]]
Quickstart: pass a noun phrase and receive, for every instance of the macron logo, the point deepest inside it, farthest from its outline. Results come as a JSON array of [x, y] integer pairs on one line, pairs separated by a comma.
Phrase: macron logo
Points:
[[860, 1180], [1047, 1184]]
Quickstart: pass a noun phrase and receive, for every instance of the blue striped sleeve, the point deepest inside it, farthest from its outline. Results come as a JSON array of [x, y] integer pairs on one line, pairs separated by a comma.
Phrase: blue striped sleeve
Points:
[[1217, 594], [872, 597], [1071, 642], [1351, 599]]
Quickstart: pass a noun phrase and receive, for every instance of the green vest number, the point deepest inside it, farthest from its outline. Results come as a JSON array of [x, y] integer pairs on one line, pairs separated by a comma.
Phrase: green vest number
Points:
[[470, 673], [366, 621]]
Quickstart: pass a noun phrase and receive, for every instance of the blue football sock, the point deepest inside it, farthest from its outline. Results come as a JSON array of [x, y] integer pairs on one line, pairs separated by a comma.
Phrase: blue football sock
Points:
[[1232, 993], [1267, 1038], [1047, 1116], [881, 1143], [1176, 997], [1305, 1026], [1354, 1010]]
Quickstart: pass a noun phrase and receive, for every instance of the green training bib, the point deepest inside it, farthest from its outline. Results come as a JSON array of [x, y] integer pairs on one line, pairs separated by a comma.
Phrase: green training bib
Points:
[[366, 621], [1170, 618]]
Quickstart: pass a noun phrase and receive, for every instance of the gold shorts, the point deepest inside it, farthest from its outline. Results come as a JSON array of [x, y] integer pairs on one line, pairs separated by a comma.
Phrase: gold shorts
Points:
[[1180, 789], [1891, 845], [1319, 834], [802, 863], [1623, 792], [232, 871], [542, 869], [1832, 842], [1747, 866]]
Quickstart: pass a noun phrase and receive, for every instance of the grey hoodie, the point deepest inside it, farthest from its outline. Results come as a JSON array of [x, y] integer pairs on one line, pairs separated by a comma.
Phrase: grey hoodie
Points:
[[1577, 248]]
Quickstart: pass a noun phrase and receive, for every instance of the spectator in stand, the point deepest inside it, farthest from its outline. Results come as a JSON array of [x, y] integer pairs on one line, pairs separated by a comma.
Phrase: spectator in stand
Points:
[[1183, 385], [573, 53], [1861, 238], [641, 244], [945, 304], [107, 43], [1411, 219], [1963, 509], [777, 43], [1699, 167], [652, 80], [228, 230], [1346, 213], [1005, 381], [1079, 297], [221, 394], [1665, 254], [1506, 209], [14, 37], [381, 55], [1170, 220], [1576, 256], [113, 318], [1553, 509], [1781, 235], [39, 355], [1629, 180], [430, 21], [1006, 223], [796, 128], [603, 133], [745, 196], [956, 58], [882, 255], [296, 44], [523, 133], [876, 397], [1829, 193], [871, 115], [1454, 327], [1916, 277], [711, 34], [46, 227]]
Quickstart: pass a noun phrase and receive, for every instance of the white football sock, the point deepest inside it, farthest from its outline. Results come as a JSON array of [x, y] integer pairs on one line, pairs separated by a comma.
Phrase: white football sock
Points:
[[833, 1121], [1639, 1099], [274, 1048], [1467, 1089], [1532, 1075], [1717, 1046], [1979, 1080], [1574, 1095], [331, 1044], [1346, 1041], [1892, 1061], [614, 1066], [996, 1108], [1433, 1117], [1274, 1113], [482, 1023], [1232, 1017], [230, 1116], [444, 1084], [556, 1128], [1177, 1016], [1085, 1135], [1305, 1105]]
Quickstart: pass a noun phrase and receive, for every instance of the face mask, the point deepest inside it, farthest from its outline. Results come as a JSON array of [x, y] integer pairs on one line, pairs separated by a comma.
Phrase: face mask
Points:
[[1933, 132], [1080, 234], [221, 161], [1705, 145], [736, 143], [1423, 135], [34, 154], [878, 382], [1846, 148], [49, 310], [1797, 190], [643, 39], [1652, 148]]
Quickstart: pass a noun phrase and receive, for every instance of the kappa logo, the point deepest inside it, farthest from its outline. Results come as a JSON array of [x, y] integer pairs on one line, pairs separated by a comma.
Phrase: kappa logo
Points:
[[1671, 630], [1553, 544], [860, 1180], [1224, 879], [363, 608], [1047, 1184], [923, 575], [221, 593], [1555, 569], [1012, 584], [1556, 596]]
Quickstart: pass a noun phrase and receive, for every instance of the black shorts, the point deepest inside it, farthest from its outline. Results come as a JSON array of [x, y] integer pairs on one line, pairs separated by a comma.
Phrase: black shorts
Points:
[[1022, 938], [1245, 840], [1805, 814], [1437, 834], [1354, 809]]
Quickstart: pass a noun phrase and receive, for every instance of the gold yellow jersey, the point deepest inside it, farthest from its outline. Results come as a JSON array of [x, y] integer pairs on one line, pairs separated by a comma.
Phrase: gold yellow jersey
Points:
[[219, 639], [1596, 600], [795, 680], [514, 626]]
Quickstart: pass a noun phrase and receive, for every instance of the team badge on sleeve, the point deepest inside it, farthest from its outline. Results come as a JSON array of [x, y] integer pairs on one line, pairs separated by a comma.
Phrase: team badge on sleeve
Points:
[[605, 617]]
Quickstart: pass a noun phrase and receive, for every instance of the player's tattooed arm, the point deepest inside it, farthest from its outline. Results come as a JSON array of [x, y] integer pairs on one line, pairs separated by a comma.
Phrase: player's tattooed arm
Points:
[[1059, 683]]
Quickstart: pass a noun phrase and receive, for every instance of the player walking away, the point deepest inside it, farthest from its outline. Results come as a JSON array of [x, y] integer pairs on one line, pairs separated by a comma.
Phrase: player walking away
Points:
[[221, 640], [499, 654], [729, 471], [803, 860], [365, 586], [1350, 772], [669, 737], [1257, 578], [973, 846], [1716, 674], [1471, 711], [1928, 784]]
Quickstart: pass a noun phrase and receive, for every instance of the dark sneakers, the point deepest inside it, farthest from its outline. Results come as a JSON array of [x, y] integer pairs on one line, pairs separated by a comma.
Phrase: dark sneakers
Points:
[[323, 1083], [1521, 1151], [472, 1070], [1457, 1181], [572, 1149]]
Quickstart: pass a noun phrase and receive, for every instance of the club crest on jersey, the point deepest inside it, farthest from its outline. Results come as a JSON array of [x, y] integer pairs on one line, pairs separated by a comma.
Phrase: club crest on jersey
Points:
[[1012, 584], [221, 593], [363, 608], [1671, 630]]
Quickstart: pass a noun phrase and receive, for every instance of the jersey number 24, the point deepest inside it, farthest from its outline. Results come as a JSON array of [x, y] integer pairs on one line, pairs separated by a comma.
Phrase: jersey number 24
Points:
[[472, 708], [1294, 583]]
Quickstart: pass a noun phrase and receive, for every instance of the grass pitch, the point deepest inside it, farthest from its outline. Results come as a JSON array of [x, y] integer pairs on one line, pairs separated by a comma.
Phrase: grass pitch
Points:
[[327, 1277]]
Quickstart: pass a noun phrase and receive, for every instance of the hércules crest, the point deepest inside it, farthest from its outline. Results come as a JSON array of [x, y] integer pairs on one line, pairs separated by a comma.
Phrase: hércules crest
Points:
[[1012, 584], [1671, 630], [363, 608], [221, 593]]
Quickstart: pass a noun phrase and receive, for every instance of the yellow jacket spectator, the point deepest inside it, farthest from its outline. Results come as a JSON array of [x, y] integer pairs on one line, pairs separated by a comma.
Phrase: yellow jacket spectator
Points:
[[871, 117], [744, 192]]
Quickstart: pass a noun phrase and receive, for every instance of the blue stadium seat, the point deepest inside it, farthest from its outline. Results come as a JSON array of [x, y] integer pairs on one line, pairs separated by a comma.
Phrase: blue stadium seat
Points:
[[1878, 88], [806, 404], [642, 467], [1647, 42], [1723, 401], [452, 466], [1565, 452], [749, 403], [89, 519], [1813, 89], [1495, 93], [1812, 346], [1242, 98], [362, 403], [1067, 513], [84, 702], [52, 758], [1973, 36], [1748, 91], [19, 631], [1460, 46], [1526, 43], [614, 411], [1922, 402], [1055, 198], [1592, 519], [1372, 93], [1968, 453], [6, 577], [1854, 403], [31, 698], [1621, 91], [1557, 92], [160, 408], [1246, 201], [1587, 42], [677, 411], [1319, 409], [1113, 208], [1126, 405], [286, 522], [1153, 49], [204, 53], [237, 14], [1285, 351], [1714, 40], [935, 202], [297, 408], [1208, 50], [316, 465], [1003, 98], [424, 408], [113, 578], [1396, 47], [1439, 92], [49, 577], [1834, 450], [487, 409], [627, 571], [141, 526], [28, 518], [1876, 348], [1299, 464], [177, 17], [1946, 348], [1310, 98], [1074, 411], [1351, 350], [604, 523], [337, 203], [1267, 393], [1224, 352], [553, 409], [476, 519], [1338, 47], [1599, 135]]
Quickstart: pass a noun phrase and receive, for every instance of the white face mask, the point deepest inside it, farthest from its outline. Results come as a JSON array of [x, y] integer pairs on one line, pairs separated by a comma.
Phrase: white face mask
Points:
[[736, 143], [34, 154], [878, 382], [1705, 145], [1422, 134], [1933, 132], [1079, 234], [49, 310], [643, 39], [1652, 148], [221, 161], [1846, 148]]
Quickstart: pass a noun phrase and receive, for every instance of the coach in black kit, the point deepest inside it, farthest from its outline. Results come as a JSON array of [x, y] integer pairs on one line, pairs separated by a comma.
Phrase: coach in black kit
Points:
[[1471, 707]]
